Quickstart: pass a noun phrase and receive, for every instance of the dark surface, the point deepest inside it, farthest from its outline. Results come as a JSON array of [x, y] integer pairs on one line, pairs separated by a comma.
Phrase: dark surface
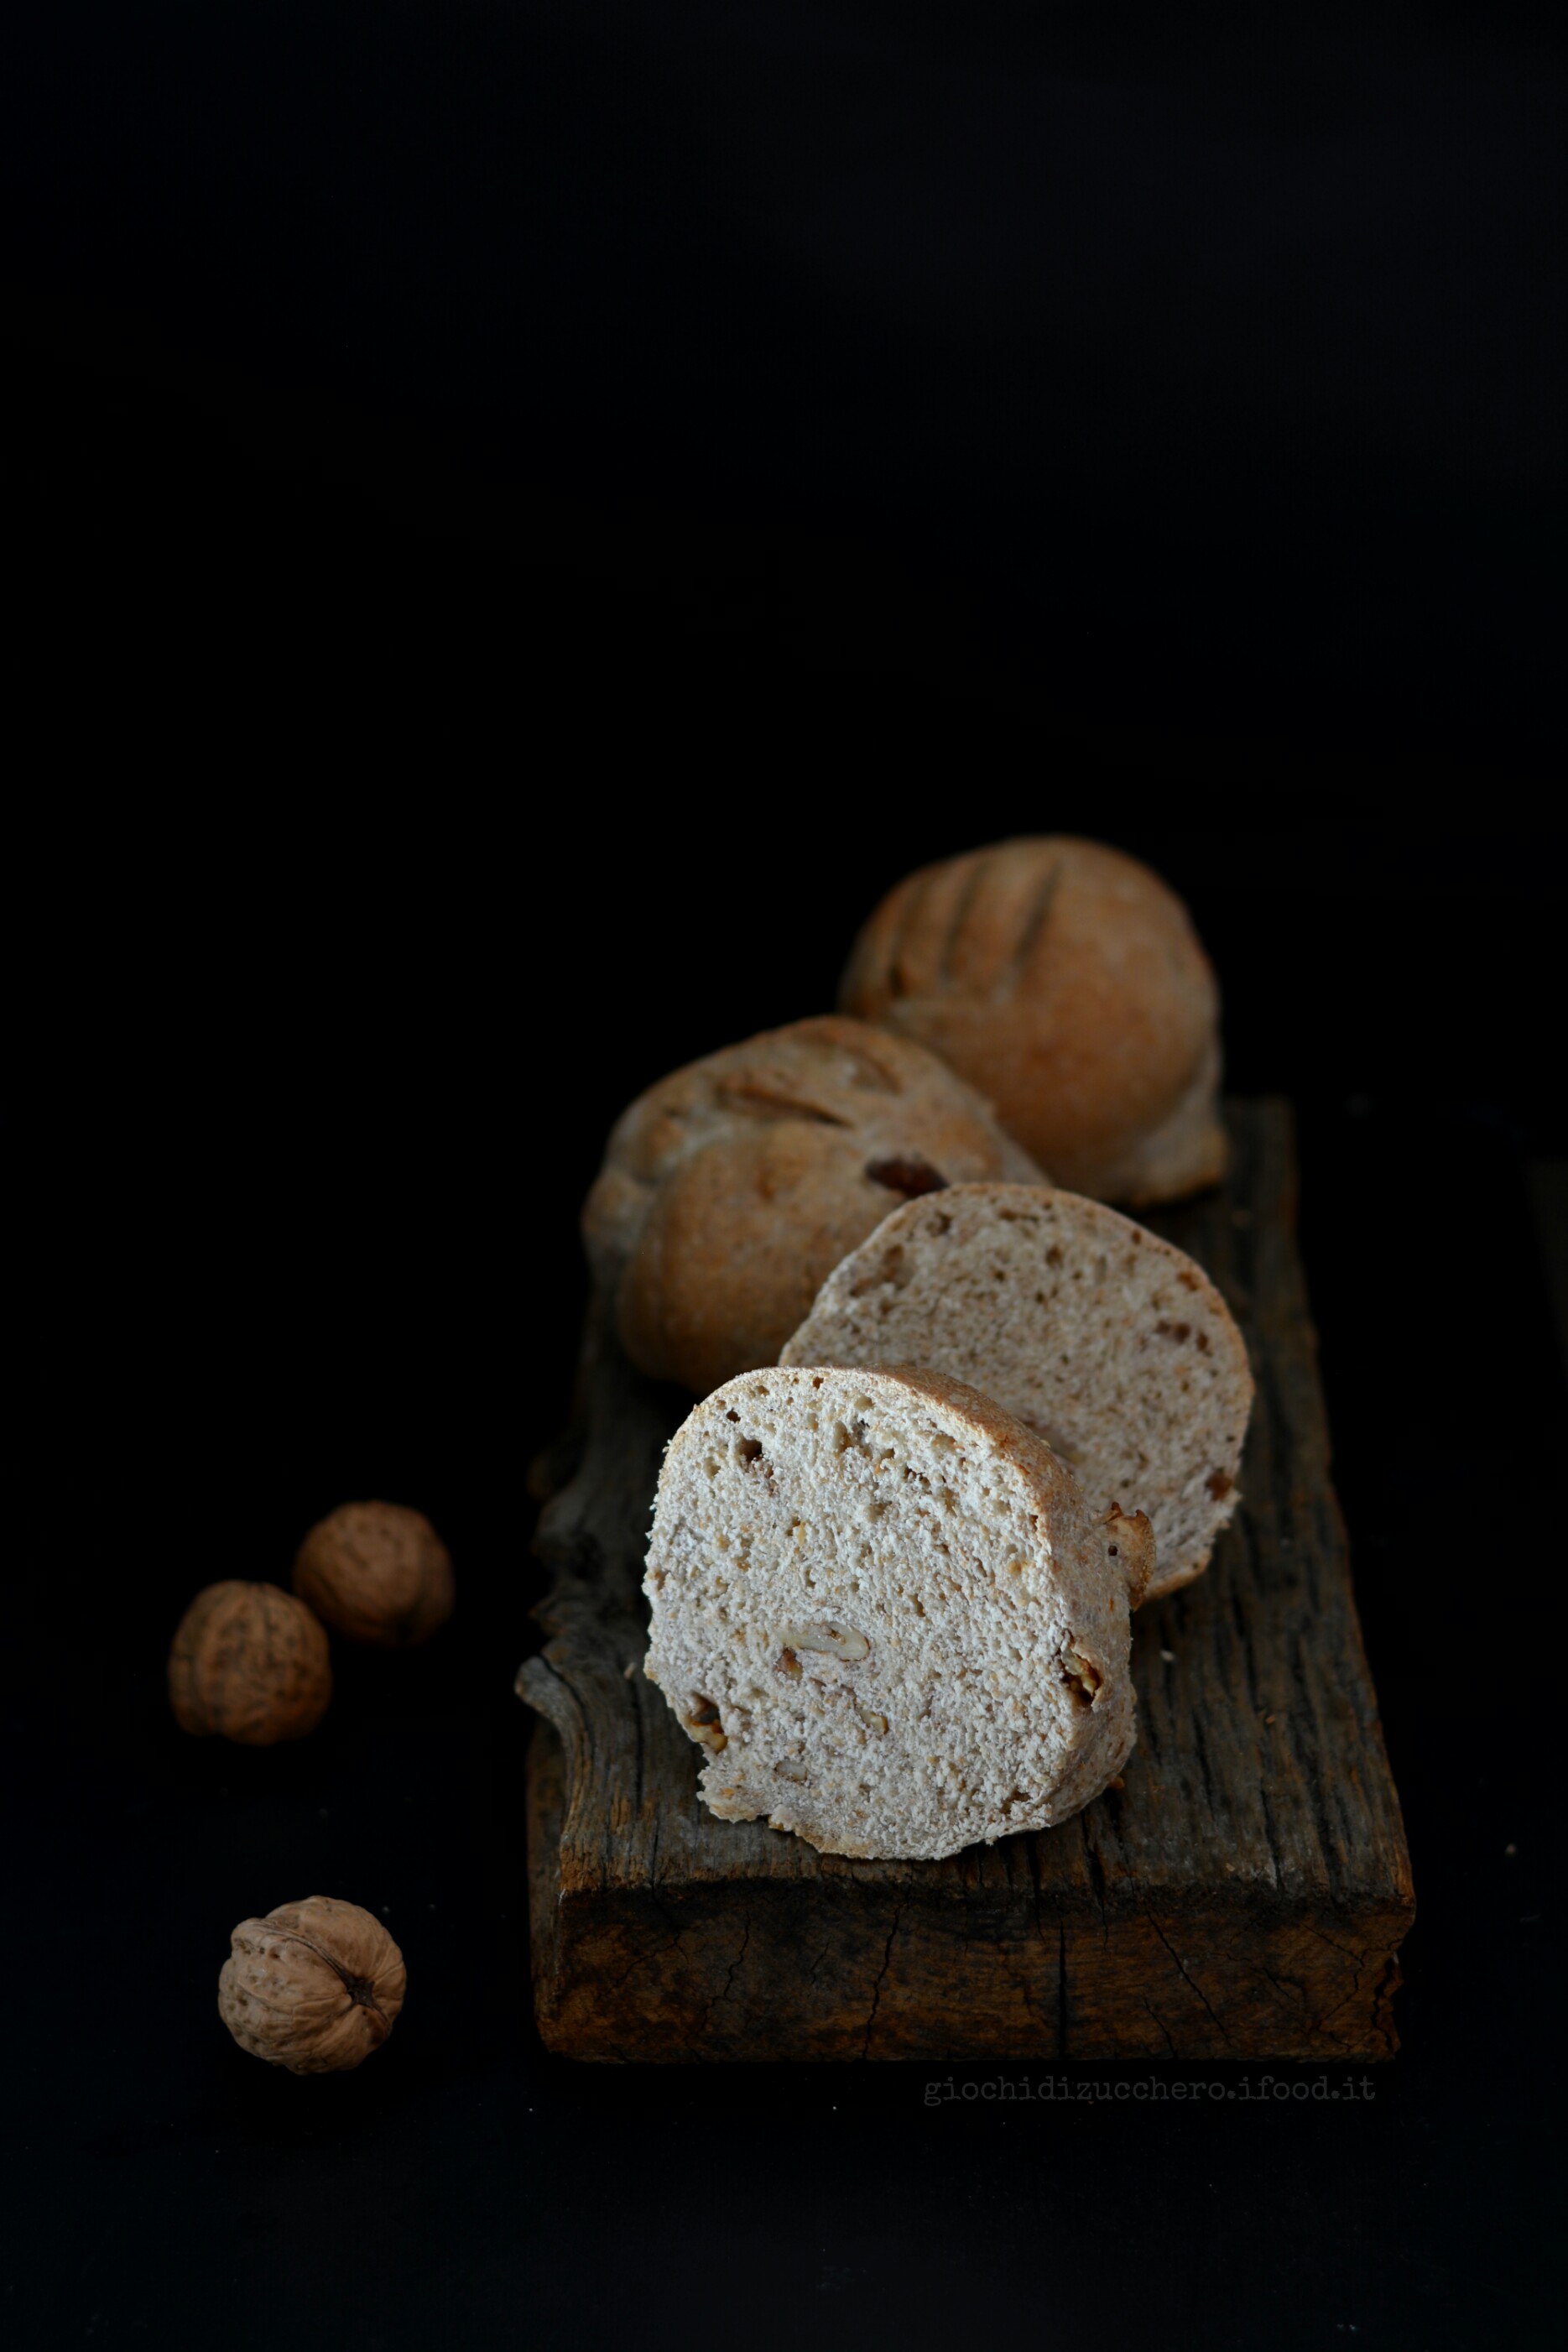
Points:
[[454, 407], [1091, 372]]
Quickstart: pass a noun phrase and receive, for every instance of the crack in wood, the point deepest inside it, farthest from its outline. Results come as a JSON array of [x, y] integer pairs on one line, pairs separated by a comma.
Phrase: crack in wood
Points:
[[880, 1975], [1165, 2029], [1190, 1982]]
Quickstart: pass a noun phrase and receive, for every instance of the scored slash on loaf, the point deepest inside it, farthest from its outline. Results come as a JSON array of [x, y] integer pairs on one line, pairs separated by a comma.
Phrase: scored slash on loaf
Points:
[[889, 1614], [1064, 980], [733, 1187], [1111, 1344]]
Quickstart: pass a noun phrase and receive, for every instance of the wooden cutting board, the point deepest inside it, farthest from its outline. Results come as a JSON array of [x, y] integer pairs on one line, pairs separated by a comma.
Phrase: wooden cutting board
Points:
[[1243, 1896]]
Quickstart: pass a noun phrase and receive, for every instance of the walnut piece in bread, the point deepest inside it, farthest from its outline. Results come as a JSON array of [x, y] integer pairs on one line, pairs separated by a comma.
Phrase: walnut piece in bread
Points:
[[888, 1612], [731, 1189], [1110, 1343], [1065, 981]]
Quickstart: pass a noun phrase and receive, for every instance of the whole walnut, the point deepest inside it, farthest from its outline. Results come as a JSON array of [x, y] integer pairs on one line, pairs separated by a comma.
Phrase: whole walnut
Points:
[[250, 1663], [315, 1986], [376, 1572]]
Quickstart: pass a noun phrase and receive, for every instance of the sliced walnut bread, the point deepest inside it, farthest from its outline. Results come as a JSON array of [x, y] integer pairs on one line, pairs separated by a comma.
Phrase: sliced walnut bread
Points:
[[732, 1188], [1109, 1343], [888, 1612]]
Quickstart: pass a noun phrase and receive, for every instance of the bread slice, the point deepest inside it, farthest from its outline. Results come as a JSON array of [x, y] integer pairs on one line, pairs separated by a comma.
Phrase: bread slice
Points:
[[888, 1612], [1109, 1343]]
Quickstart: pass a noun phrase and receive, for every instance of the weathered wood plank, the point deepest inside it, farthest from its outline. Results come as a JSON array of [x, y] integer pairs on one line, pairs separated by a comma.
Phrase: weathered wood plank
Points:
[[1244, 1895]]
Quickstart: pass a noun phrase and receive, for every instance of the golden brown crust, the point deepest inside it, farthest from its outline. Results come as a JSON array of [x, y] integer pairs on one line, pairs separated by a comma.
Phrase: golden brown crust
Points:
[[732, 1188], [249, 1662], [1065, 981]]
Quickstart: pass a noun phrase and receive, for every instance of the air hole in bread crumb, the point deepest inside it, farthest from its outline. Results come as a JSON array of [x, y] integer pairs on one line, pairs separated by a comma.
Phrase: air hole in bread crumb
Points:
[[750, 1450], [786, 1663], [1219, 1483], [702, 1717], [889, 1269], [1053, 1255], [1082, 1678], [730, 1414]]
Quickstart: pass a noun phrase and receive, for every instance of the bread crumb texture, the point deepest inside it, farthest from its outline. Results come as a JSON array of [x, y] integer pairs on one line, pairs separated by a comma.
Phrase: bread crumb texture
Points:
[[888, 1613], [1110, 1343]]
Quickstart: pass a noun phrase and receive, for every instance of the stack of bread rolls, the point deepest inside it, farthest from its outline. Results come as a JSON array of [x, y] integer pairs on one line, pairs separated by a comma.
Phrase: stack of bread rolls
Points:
[[959, 1414]]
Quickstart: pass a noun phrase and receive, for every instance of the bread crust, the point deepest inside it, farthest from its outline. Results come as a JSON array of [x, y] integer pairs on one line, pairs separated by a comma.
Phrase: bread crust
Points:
[[731, 1188], [1064, 980], [888, 1612]]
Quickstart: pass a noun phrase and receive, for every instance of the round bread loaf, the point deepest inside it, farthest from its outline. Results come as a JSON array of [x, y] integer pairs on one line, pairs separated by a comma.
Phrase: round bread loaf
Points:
[[1065, 981], [732, 1188], [1112, 1345], [888, 1612]]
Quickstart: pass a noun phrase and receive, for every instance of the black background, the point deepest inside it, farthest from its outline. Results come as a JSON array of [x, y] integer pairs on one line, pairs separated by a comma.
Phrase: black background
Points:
[[563, 367], [531, 522]]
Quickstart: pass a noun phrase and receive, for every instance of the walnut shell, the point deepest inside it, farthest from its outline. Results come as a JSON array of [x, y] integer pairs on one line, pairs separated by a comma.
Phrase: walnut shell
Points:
[[376, 1572], [250, 1663], [315, 1986]]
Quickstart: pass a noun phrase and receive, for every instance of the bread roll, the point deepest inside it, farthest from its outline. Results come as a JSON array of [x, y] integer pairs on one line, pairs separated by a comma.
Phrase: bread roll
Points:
[[733, 1187], [1108, 1342], [1064, 981], [887, 1612]]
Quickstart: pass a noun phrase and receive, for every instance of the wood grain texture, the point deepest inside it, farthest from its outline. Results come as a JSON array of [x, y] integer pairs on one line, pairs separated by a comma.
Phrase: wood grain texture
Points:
[[1244, 1895]]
